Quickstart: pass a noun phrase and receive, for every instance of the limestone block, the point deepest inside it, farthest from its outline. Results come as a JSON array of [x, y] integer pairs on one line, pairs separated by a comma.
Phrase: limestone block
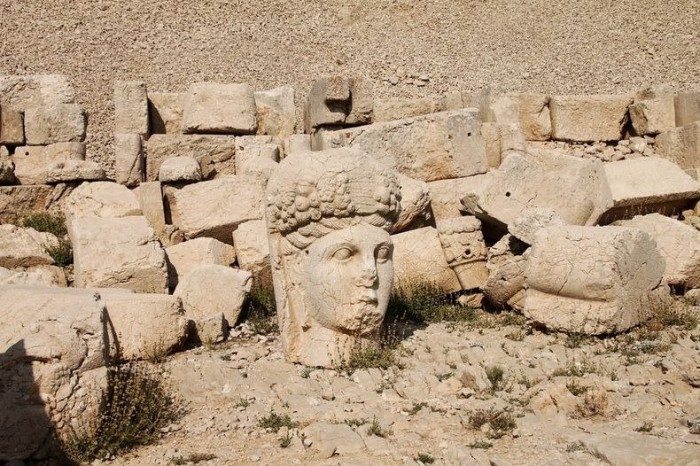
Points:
[[184, 257], [52, 343], [215, 154], [165, 112], [17, 202], [214, 290], [215, 208], [24, 247], [40, 275], [465, 250], [594, 280], [653, 116], [446, 195], [150, 198], [574, 188], [22, 92], [586, 118], [415, 204], [131, 107], [181, 168], [147, 326], [253, 250], [678, 243], [257, 159], [56, 123], [101, 199], [276, 111], [647, 185], [433, 147], [297, 143], [531, 221], [361, 101], [506, 109], [32, 162], [512, 139], [327, 104], [687, 106], [219, 108], [681, 146], [117, 253], [398, 109], [419, 259], [74, 170], [535, 117], [11, 126], [506, 279], [129, 163], [7, 167], [492, 141]]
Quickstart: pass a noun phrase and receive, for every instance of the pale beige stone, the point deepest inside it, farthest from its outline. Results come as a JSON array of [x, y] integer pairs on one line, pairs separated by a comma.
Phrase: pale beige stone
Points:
[[535, 117], [55, 123], [512, 139], [219, 108], [24, 247], [101, 199], [17, 202], [253, 250], [594, 280], [464, 248], [131, 107], [150, 197], [327, 103], [586, 118], [74, 170], [681, 146], [215, 154], [653, 116], [129, 163], [184, 257], [492, 141], [32, 162], [11, 126], [480, 99], [415, 204], [257, 159], [40, 275], [446, 195], [506, 266], [297, 143], [181, 168], [531, 221], [506, 109], [432, 147], [165, 112], [361, 101], [329, 439], [276, 111], [117, 253], [22, 92], [398, 108], [208, 208], [687, 105]]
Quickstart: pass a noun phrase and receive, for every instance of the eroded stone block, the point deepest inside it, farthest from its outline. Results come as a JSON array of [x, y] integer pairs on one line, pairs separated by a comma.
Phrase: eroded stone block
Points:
[[187, 256], [131, 108], [219, 108], [129, 163], [585, 118], [276, 111]]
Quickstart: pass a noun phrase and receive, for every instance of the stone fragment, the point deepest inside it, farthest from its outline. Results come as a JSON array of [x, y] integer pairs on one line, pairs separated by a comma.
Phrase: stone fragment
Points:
[[32, 162], [505, 109], [398, 109], [129, 163], [212, 291], [415, 204], [593, 280], [419, 260], [653, 116], [687, 106], [646, 185], [40, 275], [330, 439], [276, 111], [117, 253], [253, 250], [176, 169], [7, 167], [512, 139], [206, 208], [361, 101], [531, 221], [165, 112], [215, 154], [150, 197], [219, 108], [446, 195], [23, 92], [148, 326], [327, 104], [679, 244], [473, 377], [534, 117], [492, 141], [74, 170], [465, 250], [11, 126], [17, 202], [24, 247], [183, 258], [433, 147], [101, 199], [297, 143], [584, 118], [480, 99], [56, 123], [681, 146], [506, 267], [257, 159], [131, 108]]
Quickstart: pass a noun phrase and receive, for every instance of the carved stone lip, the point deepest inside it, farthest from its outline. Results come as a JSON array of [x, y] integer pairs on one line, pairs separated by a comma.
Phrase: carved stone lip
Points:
[[368, 298]]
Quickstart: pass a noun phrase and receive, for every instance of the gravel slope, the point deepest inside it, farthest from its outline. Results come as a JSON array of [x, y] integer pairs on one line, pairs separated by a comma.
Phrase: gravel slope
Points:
[[582, 46]]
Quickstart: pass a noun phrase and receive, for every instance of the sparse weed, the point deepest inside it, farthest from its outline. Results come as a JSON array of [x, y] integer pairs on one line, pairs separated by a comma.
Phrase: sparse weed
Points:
[[417, 407], [646, 427], [425, 458], [46, 222], [286, 441], [576, 339], [595, 403], [378, 356], [61, 253], [500, 422], [579, 369], [481, 444], [575, 446], [495, 375], [376, 429], [242, 403], [445, 376], [276, 421], [260, 310], [356, 422], [575, 388], [194, 458]]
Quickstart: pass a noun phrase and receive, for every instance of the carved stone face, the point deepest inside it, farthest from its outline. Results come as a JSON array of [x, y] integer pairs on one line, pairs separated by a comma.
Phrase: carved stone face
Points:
[[347, 277]]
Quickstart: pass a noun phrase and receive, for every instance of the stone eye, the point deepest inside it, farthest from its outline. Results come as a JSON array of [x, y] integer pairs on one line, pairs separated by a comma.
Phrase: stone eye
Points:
[[383, 254], [342, 254]]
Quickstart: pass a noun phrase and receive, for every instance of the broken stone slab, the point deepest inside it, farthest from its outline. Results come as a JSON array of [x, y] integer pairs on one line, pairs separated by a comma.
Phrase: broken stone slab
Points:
[[678, 243], [531, 221], [117, 253], [681, 146], [215, 154], [188, 255], [41, 275], [129, 163], [259, 159], [74, 170], [646, 185], [131, 107], [206, 208], [178, 169], [535, 117], [419, 260], [586, 118], [276, 112], [653, 115], [687, 105], [32, 162], [433, 147], [165, 112], [11, 126], [446, 195], [398, 108], [17, 202], [297, 143], [150, 198], [24, 247], [54, 344], [253, 251], [593, 280], [492, 141], [415, 204], [101, 199], [55, 123], [463, 244], [219, 108], [576, 189], [148, 326], [361, 101]]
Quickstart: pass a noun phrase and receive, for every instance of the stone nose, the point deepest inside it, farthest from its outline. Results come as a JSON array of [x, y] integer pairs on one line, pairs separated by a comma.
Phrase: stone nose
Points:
[[368, 275]]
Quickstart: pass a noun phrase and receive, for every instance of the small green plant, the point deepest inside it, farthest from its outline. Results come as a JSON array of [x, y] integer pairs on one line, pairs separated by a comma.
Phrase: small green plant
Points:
[[194, 458], [595, 403], [576, 339], [376, 429], [575, 388], [495, 375], [482, 444], [646, 427], [575, 446], [445, 376], [306, 372], [417, 407], [261, 311], [500, 422], [356, 422], [379, 356], [61, 253], [579, 369], [242, 403], [676, 314], [46, 222], [276, 421], [425, 458]]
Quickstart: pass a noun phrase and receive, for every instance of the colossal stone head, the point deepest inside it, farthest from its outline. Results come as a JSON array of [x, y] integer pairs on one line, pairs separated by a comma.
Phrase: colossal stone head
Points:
[[328, 215]]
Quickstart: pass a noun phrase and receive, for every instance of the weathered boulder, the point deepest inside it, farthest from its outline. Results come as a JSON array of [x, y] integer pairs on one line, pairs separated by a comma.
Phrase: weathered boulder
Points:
[[584, 118], [415, 204], [531, 221], [117, 253], [17, 202], [187, 256], [535, 117], [150, 196], [49, 124], [593, 280], [253, 250], [165, 112], [465, 250], [681, 146], [215, 154], [128, 159], [101, 199], [398, 109], [32, 162], [40, 275], [11, 126], [174, 169], [687, 107], [297, 143], [432, 147], [219, 108], [131, 107], [256, 157], [653, 115], [74, 170], [24, 247], [276, 111], [338, 100]]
